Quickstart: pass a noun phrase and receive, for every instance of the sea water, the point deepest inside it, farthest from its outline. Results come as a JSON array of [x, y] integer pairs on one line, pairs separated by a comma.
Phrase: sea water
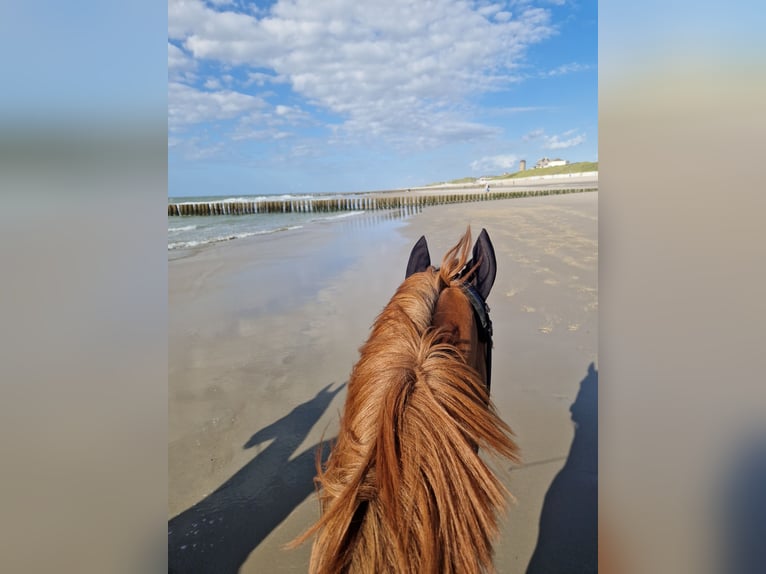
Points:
[[186, 232], [193, 231]]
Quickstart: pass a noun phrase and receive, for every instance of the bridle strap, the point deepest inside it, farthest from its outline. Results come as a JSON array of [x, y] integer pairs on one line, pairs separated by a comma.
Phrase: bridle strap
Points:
[[481, 309]]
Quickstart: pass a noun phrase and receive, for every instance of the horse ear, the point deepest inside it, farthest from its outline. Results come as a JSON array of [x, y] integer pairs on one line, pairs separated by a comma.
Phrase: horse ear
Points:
[[484, 253], [420, 259]]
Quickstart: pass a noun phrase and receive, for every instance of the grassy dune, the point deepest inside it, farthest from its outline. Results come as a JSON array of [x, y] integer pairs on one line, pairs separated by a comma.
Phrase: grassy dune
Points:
[[578, 167]]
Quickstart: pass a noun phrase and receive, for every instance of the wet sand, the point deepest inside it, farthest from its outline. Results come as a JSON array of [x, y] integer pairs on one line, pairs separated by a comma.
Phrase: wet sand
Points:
[[263, 333]]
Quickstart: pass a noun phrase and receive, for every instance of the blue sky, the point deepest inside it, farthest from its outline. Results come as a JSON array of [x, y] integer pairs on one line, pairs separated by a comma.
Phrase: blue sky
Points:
[[310, 96]]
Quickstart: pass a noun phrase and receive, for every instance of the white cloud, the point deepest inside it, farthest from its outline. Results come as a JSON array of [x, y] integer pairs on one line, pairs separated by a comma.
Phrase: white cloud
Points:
[[195, 147], [554, 142], [521, 109], [187, 105], [494, 163], [185, 16], [267, 134], [273, 123], [395, 71], [566, 69], [529, 2], [490, 9], [180, 65], [261, 79], [560, 141]]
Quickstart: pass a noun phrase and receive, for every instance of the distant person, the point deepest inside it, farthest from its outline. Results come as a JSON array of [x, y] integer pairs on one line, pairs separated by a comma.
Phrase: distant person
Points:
[[487, 188]]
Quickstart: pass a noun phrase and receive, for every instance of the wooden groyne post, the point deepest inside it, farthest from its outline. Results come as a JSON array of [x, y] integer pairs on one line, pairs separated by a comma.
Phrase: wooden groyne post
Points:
[[346, 204]]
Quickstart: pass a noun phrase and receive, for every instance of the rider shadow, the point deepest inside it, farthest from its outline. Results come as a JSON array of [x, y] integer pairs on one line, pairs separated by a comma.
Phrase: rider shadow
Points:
[[218, 533], [568, 539], [742, 508]]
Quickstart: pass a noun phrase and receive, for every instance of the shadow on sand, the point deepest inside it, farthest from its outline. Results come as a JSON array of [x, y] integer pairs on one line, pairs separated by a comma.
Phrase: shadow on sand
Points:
[[743, 508], [217, 534], [568, 539]]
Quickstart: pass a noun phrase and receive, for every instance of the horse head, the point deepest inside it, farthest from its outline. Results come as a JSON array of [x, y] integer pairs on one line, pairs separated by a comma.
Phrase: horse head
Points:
[[462, 313], [404, 489]]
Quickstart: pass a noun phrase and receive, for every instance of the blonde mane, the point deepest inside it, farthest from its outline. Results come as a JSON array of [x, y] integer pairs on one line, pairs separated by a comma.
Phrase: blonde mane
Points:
[[404, 489]]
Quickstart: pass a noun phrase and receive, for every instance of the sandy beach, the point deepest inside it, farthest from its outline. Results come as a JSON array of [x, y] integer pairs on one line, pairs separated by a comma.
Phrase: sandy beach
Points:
[[263, 333]]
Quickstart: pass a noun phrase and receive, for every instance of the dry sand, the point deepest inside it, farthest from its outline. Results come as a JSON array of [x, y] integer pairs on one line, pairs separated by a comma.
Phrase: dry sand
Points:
[[263, 334]]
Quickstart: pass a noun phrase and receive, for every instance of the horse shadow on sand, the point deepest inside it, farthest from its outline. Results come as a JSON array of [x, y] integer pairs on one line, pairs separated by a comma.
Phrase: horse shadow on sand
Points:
[[568, 538], [742, 506], [217, 534]]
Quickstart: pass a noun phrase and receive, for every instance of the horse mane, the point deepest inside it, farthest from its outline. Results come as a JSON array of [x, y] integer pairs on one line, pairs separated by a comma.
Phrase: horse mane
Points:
[[404, 489]]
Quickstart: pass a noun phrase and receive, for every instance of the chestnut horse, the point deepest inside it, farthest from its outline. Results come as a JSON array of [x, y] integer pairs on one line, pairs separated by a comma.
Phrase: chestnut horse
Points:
[[404, 489]]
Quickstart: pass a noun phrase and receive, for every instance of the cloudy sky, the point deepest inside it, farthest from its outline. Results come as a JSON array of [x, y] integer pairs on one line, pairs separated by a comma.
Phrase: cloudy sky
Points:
[[311, 96]]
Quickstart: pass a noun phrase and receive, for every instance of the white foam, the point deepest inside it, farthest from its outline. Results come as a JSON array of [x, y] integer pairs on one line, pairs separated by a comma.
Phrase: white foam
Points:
[[220, 238], [252, 198]]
